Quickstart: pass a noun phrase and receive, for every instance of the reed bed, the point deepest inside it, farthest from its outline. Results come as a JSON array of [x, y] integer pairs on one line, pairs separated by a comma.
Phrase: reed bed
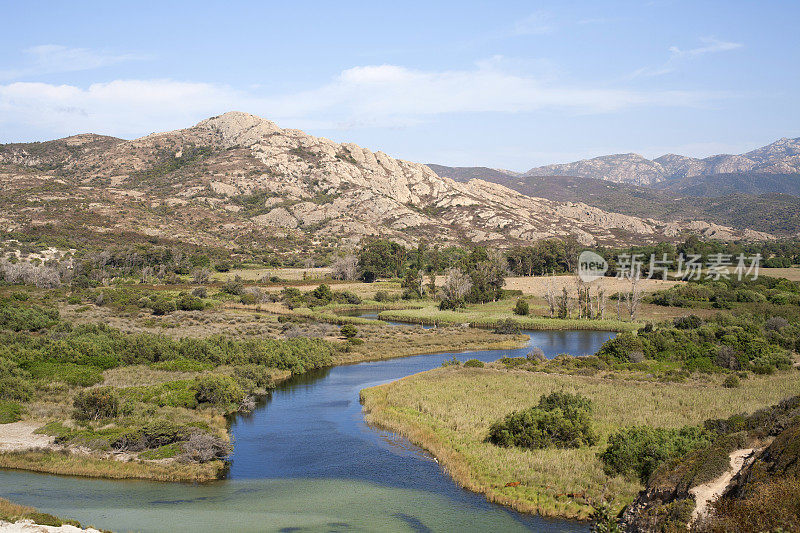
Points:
[[448, 412]]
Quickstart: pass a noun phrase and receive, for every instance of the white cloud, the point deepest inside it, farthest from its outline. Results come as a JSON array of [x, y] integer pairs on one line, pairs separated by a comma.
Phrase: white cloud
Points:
[[709, 46], [51, 58], [371, 95], [677, 55]]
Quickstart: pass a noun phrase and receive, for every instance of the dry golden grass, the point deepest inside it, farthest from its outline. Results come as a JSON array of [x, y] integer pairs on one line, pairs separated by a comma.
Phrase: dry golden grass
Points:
[[71, 464], [792, 274], [448, 411], [11, 510]]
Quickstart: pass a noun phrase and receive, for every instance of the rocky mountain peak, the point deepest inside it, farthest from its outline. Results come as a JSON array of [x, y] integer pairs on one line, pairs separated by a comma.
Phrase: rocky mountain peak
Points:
[[239, 128]]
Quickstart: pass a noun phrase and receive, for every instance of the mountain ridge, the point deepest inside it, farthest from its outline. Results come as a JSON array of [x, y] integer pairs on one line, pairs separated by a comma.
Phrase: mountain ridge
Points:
[[238, 178], [779, 157]]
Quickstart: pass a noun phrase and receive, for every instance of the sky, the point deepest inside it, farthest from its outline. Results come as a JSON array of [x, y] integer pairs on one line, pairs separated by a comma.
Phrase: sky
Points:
[[500, 84]]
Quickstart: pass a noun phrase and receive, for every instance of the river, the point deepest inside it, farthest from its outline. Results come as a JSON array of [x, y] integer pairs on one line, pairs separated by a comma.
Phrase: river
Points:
[[304, 460]]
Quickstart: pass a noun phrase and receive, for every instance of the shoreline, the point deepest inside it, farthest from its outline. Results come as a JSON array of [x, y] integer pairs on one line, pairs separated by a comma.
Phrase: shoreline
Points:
[[451, 318], [48, 459]]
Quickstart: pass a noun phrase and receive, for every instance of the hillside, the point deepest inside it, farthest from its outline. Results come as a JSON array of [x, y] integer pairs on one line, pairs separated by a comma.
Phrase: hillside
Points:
[[722, 184], [780, 157], [771, 212], [240, 180]]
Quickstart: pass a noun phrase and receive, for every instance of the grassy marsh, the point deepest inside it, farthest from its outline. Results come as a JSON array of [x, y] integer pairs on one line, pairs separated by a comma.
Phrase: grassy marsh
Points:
[[448, 412]]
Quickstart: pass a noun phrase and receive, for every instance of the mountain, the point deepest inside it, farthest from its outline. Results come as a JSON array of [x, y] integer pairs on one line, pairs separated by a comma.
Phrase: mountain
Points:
[[769, 212], [240, 180], [722, 184], [464, 174], [780, 157]]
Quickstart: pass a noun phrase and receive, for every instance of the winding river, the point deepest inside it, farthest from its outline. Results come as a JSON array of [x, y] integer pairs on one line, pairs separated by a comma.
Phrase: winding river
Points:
[[305, 460]]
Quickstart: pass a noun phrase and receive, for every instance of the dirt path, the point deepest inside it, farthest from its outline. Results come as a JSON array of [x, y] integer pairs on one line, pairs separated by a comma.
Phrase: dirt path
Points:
[[707, 493], [19, 436]]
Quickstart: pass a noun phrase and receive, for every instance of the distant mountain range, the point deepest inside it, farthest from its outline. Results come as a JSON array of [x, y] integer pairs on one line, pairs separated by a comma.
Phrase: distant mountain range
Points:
[[758, 190], [780, 157]]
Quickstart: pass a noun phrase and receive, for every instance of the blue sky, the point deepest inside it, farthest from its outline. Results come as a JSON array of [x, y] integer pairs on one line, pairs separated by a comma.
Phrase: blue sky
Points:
[[502, 84]]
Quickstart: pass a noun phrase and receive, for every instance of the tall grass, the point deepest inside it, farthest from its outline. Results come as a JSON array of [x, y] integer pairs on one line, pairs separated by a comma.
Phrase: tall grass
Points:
[[448, 411], [70, 464], [491, 318]]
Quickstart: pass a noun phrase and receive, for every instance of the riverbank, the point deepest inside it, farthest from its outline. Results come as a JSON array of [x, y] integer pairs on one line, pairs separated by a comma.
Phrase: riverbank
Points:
[[30, 444], [448, 412]]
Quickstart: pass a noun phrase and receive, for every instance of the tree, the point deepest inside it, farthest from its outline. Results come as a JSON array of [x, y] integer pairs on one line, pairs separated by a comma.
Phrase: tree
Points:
[[381, 258], [456, 287], [345, 268], [550, 295], [522, 308], [412, 284]]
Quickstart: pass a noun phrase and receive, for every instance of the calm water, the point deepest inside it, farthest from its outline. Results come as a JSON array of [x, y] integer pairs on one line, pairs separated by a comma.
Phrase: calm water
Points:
[[305, 461]]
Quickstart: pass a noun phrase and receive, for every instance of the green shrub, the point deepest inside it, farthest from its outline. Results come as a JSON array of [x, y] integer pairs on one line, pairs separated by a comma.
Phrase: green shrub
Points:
[[732, 382], [348, 331], [474, 363], [560, 420], [180, 393], [69, 373], [637, 451], [187, 302], [20, 317], [453, 361], [10, 412], [252, 377], [522, 308], [221, 391], [96, 404], [162, 306], [508, 327], [14, 381]]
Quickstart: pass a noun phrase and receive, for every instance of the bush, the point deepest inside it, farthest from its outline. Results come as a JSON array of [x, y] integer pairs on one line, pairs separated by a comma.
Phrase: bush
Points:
[[69, 373], [637, 451], [162, 306], [522, 308], [474, 363], [187, 302], [96, 404], [382, 296], [19, 317], [732, 382], [10, 412], [688, 322], [348, 331], [233, 286], [14, 381], [221, 391], [451, 362], [201, 447], [537, 354], [508, 327], [560, 420], [252, 377]]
